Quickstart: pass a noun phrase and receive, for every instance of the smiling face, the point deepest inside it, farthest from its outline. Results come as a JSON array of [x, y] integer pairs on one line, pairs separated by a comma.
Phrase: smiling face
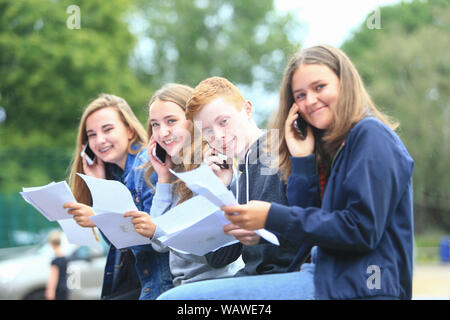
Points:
[[108, 136], [315, 89], [224, 127], [169, 126]]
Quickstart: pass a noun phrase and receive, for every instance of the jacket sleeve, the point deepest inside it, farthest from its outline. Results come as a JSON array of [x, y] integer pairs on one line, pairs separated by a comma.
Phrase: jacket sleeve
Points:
[[162, 201], [376, 172], [147, 193], [224, 256], [303, 183]]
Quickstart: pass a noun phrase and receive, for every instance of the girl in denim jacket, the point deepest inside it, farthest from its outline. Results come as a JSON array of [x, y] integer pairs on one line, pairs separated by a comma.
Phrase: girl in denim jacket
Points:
[[118, 140], [168, 127]]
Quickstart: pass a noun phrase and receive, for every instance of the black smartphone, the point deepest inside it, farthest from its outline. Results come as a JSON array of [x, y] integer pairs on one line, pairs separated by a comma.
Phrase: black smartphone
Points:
[[160, 153], [224, 164], [300, 124], [223, 158], [90, 156]]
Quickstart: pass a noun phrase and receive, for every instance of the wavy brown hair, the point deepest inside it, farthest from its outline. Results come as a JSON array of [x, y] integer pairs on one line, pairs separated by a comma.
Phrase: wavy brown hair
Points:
[[354, 104]]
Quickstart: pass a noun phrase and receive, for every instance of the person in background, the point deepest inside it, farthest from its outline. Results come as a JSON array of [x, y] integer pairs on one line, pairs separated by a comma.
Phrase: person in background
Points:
[[57, 281]]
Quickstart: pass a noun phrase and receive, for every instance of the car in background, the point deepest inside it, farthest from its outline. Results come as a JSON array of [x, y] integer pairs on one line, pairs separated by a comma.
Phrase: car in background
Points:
[[24, 271]]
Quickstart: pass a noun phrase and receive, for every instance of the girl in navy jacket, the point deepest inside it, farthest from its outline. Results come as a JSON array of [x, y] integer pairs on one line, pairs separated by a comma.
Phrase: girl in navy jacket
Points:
[[362, 233]]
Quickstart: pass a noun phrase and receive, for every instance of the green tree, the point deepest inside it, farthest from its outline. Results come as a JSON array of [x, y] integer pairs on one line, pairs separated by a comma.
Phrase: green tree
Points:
[[187, 41], [49, 72], [406, 68]]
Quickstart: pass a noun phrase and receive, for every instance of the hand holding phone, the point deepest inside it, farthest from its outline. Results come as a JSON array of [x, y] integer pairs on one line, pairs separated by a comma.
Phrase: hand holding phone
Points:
[[300, 125], [224, 164], [218, 163], [159, 153], [299, 144], [161, 161]]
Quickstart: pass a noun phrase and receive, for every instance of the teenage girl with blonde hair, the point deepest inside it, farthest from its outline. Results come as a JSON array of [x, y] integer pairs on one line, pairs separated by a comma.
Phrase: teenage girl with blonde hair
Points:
[[118, 140]]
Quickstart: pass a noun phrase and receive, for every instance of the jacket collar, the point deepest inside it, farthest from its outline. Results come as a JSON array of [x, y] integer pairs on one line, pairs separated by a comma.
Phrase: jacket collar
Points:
[[115, 172]]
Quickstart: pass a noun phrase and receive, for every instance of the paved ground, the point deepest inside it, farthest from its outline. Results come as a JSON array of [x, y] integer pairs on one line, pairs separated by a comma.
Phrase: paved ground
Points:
[[431, 282]]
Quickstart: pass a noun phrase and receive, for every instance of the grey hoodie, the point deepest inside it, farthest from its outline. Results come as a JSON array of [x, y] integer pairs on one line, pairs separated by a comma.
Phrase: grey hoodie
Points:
[[258, 181], [185, 267]]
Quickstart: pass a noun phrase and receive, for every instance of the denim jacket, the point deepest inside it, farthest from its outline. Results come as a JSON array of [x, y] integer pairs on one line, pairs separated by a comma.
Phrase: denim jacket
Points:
[[151, 272]]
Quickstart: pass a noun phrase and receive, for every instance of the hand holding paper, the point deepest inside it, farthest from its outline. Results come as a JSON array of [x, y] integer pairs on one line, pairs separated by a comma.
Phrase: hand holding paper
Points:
[[250, 216], [142, 223], [194, 226], [110, 200], [49, 201], [204, 182]]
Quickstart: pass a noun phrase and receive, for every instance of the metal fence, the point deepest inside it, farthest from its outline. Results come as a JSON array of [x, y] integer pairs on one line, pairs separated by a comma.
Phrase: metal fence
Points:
[[20, 223]]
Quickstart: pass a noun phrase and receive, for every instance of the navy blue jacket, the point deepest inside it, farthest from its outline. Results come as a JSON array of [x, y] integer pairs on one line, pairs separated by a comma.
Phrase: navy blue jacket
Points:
[[364, 227], [258, 181]]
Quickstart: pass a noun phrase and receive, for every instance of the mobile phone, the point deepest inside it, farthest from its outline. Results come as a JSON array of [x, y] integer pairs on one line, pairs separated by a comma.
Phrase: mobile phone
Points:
[[160, 153], [224, 164], [300, 124], [90, 156], [223, 158]]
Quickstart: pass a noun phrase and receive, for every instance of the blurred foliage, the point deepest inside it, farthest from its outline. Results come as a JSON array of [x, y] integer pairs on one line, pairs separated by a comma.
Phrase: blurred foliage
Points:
[[49, 73], [188, 41], [406, 67]]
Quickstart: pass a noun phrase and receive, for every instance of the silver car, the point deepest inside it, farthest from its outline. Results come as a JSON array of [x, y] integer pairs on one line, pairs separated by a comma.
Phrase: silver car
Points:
[[24, 271]]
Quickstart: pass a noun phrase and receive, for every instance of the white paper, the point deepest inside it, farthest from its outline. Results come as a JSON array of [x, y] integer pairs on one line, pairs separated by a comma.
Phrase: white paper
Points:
[[203, 181], [77, 234], [203, 237], [49, 201], [111, 200], [109, 195], [119, 230], [185, 215], [194, 226]]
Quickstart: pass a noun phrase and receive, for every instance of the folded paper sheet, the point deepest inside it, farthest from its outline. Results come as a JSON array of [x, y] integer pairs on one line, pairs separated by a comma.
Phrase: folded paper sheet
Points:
[[198, 232], [204, 182], [49, 201], [110, 200]]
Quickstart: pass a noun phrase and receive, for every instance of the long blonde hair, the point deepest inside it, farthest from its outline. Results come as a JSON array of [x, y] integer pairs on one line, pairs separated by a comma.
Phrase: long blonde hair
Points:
[[79, 188], [178, 94], [353, 105]]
